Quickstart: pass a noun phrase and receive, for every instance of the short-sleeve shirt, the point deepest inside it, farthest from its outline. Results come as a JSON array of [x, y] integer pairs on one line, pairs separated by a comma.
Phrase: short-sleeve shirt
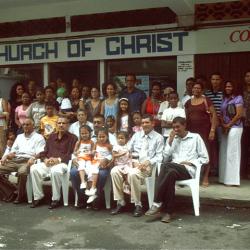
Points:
[[135, 98], [237, 101], [21, 113]]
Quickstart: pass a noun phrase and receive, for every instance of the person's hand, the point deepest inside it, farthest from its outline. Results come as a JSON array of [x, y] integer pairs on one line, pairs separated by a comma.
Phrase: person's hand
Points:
[[4, 160], [75, 163], [171, 137], [211, 135], [30, 162], [103, 163]]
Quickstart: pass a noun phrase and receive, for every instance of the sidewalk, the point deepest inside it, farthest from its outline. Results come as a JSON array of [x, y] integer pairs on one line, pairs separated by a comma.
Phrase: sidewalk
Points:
[[218, 194]]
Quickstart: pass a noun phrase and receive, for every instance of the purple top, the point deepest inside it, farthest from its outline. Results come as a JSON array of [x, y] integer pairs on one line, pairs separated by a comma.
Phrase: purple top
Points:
[[237, 101]]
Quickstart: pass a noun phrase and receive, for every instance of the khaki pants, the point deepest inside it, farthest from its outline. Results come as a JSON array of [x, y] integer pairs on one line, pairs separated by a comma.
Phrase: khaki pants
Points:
[[135, 180], [18, 165], [57, 174]]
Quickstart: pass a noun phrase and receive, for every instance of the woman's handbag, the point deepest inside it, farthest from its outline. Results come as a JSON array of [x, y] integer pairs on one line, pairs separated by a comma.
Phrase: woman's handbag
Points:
[[231, 110]]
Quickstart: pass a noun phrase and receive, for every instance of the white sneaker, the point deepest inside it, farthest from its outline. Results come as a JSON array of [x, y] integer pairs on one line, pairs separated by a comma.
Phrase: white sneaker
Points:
[[91, 191], [91, 198], [83, 185]]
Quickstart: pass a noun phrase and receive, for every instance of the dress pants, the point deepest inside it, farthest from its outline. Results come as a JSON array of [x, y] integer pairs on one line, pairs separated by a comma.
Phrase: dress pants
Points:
[[18, 165], [39, 171], [135, 179], [165, 183]]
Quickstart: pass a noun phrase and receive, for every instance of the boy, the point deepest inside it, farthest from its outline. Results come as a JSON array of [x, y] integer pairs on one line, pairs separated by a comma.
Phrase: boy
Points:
[[48, 122]]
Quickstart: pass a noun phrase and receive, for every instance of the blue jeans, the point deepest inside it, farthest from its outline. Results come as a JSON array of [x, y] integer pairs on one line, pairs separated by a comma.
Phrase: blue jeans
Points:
[[76, 181]]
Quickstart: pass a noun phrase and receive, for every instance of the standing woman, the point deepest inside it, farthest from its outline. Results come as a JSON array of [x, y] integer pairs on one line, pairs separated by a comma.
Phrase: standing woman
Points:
[[21, 112], [110, 104], [4, 116], [202, 119], [230, 147], [152, 104], [15, 100], [75, 100], [93, 106]]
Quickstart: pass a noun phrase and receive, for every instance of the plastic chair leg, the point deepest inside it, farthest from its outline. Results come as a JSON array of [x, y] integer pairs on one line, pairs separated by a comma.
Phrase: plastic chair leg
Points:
[[107, 192], [196, 200], [29, 189]]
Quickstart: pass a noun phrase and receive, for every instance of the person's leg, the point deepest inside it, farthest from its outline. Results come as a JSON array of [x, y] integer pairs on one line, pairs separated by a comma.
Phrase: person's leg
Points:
[[57, 174], [37, 173], [176, 172], [102, 177], [117, 184], [94, 181]]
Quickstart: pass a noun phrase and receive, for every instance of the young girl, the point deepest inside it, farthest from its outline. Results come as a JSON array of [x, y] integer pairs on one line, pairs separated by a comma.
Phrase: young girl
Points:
[[136, 117], [83, 152], [123, 116], [122, 158], [21, 112], [102, 158], [110, 124], [37, 109]]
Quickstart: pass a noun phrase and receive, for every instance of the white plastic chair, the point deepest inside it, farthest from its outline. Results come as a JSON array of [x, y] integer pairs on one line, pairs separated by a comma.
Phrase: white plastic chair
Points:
[[194, 185], [65, 186], [107, 193], [150, 184]]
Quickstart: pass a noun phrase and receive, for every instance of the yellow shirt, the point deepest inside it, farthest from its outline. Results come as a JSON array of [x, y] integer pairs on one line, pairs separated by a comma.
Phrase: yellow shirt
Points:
[[48, 125]]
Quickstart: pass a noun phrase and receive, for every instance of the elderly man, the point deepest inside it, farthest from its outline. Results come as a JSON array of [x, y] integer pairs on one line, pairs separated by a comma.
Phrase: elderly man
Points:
[[82, 120], [98, 122], [186, 151], [146, 147], [24, 151], [55, 157], [135, 96]]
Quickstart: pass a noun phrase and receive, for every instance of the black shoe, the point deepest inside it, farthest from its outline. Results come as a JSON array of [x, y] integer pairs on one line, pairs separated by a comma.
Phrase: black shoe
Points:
[[54, 204], [119, 209], [36, 203], [137, 211], [11, 198]]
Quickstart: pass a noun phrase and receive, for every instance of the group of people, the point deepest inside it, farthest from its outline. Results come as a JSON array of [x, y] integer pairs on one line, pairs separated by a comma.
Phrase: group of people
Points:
[[122, 136]]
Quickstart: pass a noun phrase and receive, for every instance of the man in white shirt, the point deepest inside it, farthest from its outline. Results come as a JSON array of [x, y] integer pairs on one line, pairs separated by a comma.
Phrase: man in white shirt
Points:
[[82, 120], [189, 85], [170, 113], [187, 150], [24, 151], [146, 147]]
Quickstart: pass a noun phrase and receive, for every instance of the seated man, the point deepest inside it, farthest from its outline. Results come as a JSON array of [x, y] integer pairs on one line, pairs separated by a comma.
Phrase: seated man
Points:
[[24, 151], [55, 157], [187, 150], [146, 147], [98, 122], [81, 120]]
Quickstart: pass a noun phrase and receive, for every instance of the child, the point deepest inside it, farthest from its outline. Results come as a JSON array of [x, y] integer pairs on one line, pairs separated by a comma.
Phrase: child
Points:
[[102, 158], [83, 151], [110, 124], [10, 140], [123, 117], [136, 117], [37, 109], [170, 113], [21, 112], [48, 122], [122, 158]]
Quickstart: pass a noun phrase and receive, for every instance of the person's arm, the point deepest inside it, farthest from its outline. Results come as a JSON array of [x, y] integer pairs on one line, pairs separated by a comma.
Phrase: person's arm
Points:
[[17, 119], [5, 113], [102, 108], [143, 107], [214, 122]]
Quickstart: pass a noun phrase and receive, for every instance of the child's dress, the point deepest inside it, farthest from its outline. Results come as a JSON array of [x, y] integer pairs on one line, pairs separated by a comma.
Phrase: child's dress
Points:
[[123, 162], [84, 157], [101, 153]]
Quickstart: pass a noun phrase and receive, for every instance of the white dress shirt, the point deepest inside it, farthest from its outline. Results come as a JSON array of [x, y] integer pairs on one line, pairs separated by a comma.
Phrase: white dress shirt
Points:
[[155, 145], [191, 149], [75, 128], [168, 115], [28, 146]]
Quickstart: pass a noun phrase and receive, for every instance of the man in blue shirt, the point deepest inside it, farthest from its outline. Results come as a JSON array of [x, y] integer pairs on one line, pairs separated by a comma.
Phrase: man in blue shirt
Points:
[[134, 95]]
